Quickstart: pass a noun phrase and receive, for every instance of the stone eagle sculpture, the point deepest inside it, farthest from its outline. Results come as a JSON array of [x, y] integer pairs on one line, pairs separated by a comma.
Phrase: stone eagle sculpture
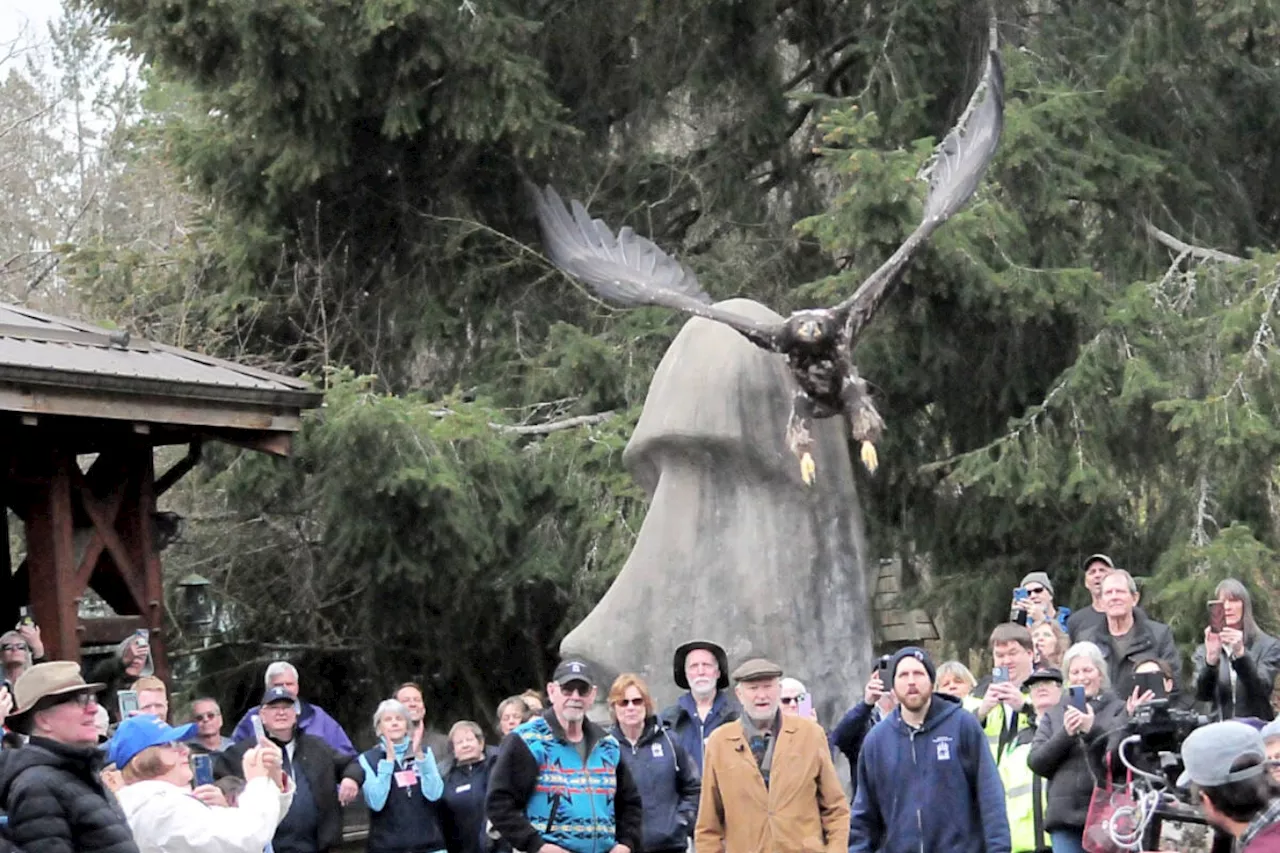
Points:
[[630, 270]]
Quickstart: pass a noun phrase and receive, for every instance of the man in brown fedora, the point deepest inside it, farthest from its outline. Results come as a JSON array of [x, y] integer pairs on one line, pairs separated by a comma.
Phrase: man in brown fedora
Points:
[[50, 786], [701, 668], [768, 782]]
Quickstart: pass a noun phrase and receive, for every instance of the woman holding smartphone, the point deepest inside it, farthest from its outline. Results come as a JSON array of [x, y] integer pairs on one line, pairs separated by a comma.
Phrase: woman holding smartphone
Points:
[[1071, 741], [401, 787], [1238, 662]]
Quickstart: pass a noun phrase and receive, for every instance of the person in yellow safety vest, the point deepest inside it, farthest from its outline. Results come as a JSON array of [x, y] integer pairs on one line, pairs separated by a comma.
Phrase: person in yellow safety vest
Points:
[[1024, 791], [1004, 710]]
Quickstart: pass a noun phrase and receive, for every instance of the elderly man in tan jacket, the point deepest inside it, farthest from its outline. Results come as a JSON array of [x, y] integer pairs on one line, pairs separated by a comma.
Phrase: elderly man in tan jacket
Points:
[[768, 783]]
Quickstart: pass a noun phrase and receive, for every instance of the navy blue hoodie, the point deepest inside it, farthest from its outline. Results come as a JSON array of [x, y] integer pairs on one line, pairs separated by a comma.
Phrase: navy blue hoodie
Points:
[[932, 788], [669, 786], [689, 730]]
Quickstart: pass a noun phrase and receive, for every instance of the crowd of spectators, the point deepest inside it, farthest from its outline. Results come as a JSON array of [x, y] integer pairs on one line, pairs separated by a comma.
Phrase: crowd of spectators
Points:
[[1009, 762]]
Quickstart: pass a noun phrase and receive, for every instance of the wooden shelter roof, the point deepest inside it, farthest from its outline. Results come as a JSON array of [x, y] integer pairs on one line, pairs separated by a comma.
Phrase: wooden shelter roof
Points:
[[60, 367]]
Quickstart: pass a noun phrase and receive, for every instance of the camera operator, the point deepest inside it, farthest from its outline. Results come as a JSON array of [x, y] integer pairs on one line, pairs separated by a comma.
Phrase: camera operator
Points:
[[1069, 745], [1237, 663], [1226, 771]]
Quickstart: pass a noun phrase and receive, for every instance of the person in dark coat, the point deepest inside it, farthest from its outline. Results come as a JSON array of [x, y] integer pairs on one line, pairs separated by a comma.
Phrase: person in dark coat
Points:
[[51, 786], [466, 783], [314, 821], [1128, 635], [1235, 668], [877, 703], [702, 668], [1069, 746], [663, 770]]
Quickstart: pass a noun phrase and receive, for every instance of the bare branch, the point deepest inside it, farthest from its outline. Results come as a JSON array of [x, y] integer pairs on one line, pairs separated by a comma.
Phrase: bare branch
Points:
[[1174, 244], [555, 426]]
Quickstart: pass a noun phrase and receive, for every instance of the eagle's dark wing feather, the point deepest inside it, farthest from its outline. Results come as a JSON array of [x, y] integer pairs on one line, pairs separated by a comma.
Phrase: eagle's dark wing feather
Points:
[[630, 270], [959, 164]]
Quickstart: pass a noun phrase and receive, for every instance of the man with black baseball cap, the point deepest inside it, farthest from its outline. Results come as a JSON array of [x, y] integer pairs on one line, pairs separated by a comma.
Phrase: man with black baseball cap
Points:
[[557, 752], [701, 668], [1087, 619], [1226, 769]]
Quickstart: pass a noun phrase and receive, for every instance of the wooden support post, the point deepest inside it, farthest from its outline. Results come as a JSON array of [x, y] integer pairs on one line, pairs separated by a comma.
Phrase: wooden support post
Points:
[[136, 533], [10, 598], [54, 594]]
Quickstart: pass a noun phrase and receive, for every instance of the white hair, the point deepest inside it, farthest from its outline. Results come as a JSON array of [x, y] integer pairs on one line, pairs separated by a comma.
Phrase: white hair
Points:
[[793, 683], [279, 668], [1086, 649], [391, 706]]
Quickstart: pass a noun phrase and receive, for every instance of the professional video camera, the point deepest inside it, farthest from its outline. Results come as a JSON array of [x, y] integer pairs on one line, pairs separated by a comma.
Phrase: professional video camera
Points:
[[1161, 728], [1151, 753]]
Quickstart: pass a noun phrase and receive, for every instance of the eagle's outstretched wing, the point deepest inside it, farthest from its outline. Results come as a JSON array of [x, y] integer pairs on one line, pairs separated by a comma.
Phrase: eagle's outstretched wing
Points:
[[958, 165], [630, 270]]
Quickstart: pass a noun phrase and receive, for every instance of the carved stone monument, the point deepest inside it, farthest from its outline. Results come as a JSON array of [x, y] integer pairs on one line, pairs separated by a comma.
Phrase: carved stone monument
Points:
[[734, 547]]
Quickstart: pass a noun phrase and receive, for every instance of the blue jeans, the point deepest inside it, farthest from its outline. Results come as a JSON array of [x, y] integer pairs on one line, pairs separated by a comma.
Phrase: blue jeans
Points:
[[1066, 841]]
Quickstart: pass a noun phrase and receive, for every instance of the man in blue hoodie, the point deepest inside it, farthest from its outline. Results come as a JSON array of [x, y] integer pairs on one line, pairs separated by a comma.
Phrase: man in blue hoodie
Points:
[[702, 668], [926, 779]]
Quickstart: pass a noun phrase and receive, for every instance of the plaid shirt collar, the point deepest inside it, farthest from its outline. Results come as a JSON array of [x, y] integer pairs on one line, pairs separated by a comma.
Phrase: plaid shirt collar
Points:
[[1269, 816]]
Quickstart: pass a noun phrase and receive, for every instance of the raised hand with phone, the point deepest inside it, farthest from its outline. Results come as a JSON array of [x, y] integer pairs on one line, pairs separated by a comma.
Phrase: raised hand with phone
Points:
[[1235, 667]]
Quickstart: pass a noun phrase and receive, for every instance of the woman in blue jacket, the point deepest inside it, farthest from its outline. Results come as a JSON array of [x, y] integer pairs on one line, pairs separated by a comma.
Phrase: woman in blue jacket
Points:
[[401, 787], [663, 770]]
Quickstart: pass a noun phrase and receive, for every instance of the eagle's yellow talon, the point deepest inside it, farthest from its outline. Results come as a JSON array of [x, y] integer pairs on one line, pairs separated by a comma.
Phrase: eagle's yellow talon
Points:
[[869, 457], [808, 469]]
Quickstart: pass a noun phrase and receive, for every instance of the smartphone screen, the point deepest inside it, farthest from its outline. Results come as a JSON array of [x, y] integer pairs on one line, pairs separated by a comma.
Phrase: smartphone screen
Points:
[[1075, 696], [144, 637], [258, 731], [1217, 616], [126, 703], [1152, 681], [202, 769]]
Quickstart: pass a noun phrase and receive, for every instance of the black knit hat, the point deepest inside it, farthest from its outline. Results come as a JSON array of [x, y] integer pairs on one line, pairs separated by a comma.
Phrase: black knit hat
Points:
[[912, 652]]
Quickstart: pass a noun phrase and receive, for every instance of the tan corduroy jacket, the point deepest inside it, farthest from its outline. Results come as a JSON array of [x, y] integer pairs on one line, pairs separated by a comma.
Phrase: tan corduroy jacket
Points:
[[802, 811]]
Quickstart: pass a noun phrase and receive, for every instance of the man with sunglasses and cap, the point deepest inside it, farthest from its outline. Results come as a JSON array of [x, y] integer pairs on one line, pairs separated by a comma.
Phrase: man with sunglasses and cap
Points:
[[1226, 770], [50, 786], [701, 668], [558, 784]]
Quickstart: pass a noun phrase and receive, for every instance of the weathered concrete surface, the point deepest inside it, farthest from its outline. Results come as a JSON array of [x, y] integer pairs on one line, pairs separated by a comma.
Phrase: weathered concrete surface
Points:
[[734, 547]]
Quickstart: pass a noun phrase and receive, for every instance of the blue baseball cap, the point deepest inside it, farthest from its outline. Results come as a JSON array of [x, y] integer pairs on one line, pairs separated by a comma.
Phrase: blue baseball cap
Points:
[[143, 732], [278, 694]]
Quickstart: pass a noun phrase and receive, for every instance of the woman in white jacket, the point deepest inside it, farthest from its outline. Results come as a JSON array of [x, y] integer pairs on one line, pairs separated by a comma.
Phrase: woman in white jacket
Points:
[[166, 816]]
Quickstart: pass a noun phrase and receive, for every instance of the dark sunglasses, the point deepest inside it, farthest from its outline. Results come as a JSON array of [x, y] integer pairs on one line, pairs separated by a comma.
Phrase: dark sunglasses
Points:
[[787, 700], [633, 703], [209, 715], [1032, 590], [579, 687]]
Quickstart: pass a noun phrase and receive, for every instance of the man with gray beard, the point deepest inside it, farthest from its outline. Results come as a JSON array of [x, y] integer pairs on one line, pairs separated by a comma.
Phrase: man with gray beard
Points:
[[702, 668], [768, 782]]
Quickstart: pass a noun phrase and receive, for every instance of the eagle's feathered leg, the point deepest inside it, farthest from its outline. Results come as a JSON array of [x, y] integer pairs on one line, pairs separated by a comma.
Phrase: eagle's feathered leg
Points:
[[865, 423], [800, 435]]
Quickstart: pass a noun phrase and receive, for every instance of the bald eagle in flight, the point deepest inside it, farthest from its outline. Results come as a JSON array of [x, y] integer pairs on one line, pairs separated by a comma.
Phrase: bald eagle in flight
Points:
[[629, 270]]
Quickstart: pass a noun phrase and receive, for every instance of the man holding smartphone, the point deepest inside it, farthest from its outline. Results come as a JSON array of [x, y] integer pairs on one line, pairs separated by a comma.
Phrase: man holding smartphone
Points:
[[1005, 709]]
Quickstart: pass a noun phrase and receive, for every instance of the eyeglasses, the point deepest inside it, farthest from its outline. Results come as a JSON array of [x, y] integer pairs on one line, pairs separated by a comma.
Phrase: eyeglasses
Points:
[[84, 700], [633, 703], [13, 647], [208, 715], [787, 700], [581, 688], [1034, 590]]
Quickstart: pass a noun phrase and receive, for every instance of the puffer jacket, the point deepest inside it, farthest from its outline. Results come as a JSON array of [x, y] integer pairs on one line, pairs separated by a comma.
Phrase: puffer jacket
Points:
[[669, 785], [1255, 672], [1071, 764], [56, 802]]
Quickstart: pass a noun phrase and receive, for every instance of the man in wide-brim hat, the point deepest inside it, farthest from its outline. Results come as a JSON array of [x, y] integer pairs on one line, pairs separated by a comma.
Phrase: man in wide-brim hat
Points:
[[701, 668], [50, 786]]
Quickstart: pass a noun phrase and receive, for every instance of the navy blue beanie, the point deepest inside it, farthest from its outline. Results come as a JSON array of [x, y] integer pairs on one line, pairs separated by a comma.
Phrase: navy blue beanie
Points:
[[912, 652]]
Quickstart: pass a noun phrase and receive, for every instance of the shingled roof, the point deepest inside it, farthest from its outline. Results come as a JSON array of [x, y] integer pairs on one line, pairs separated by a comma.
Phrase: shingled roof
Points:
[[56, 366]]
